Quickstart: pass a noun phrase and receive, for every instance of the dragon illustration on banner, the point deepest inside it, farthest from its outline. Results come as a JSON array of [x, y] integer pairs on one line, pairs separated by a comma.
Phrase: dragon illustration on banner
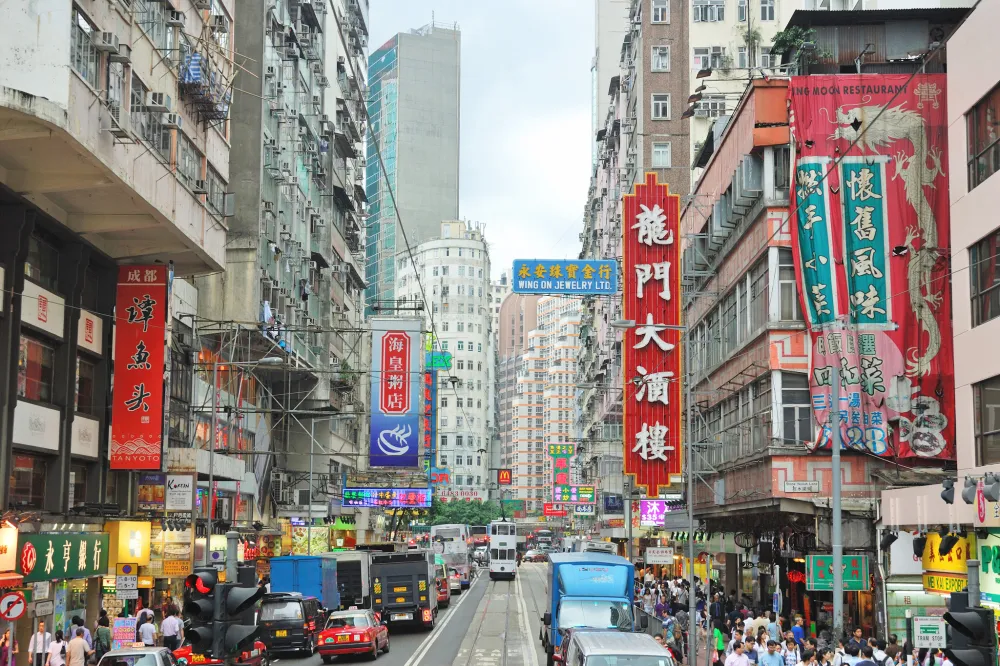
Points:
[[871, 212]]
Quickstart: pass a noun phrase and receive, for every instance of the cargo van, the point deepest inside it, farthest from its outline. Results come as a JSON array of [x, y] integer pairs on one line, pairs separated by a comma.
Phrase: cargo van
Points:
[[612, 648]]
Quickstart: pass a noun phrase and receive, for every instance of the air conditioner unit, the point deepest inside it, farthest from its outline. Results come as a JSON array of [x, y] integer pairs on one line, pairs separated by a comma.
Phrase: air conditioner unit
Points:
[[268, 206], [108, 42], [317, 101], [200, 187], [322, 81], [122, 55], [220, 24], [270, 71], [157, 101], [120, 122], [303, 496], [271, 143], [202, 4], [175, 18], [291, 52], [172, 120], [302, 130], [285, 166], [293, 181]]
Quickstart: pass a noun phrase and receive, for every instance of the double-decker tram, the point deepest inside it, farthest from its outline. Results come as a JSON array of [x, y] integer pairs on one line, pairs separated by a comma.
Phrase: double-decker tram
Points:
[[503, 549]]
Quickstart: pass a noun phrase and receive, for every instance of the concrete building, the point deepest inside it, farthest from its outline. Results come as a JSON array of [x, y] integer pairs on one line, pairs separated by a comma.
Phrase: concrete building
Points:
[[293, 282], [414, 109], [498, 292], [610, 26], [518, 316], [110, 154], [454, 282]]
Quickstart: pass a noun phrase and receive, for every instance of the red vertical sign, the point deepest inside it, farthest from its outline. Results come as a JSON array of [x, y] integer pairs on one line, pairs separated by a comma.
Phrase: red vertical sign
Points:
[[137, 410], [395, 394], [651, 295]]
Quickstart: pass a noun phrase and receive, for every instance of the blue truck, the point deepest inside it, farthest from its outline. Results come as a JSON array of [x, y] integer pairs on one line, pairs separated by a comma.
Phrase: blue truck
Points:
[[594, 590], [309, 575]]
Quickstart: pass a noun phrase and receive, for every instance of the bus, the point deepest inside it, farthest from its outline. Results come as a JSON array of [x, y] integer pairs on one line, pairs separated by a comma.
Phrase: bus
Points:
[[503, 549], [600, 547], [544, 539], [452, 543]]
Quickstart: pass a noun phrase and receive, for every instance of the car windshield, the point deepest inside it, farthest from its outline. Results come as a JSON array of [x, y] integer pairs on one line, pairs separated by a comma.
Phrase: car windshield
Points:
[[348, 621], [146, 659], [280, 610], [610, 660], [597, 613]]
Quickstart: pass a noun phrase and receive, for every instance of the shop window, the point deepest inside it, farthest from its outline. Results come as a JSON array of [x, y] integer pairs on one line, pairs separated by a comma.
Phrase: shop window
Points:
[[77, 484], [797, 414], [42, 263], [27, 488], [86, 371], [986, 397], [34, 369]]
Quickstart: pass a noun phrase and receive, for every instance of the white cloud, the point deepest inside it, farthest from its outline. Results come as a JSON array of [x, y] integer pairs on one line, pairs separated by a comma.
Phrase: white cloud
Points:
[[525, 156]]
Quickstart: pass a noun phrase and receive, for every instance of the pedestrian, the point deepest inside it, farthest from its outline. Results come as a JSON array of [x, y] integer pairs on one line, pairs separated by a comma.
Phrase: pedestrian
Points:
[[147, 634], [851, 658], [771, 656], [5, 652], [173, 629], [828, 657], [808, 658], [102, 637], [57, 651], [774, 627], [719, 643], [790, 652], [78, 622], [38, 646], [749, 649], [737, 658], [77, 650], [798, 631], [893, 648], [867, 656], [856, 640]]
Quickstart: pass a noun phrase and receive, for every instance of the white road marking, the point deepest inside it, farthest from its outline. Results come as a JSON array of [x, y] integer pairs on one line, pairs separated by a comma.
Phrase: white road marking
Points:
[[528, 653], [424, 646]]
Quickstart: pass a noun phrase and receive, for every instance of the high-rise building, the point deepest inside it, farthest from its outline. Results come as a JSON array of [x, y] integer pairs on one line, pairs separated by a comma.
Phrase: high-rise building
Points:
[[414, 108], [518, 316], [610, 26], [449, 277], [498, 292]]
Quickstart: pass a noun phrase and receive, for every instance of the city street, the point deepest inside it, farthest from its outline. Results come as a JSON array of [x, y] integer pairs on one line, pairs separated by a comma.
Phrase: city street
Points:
[[494, 623]]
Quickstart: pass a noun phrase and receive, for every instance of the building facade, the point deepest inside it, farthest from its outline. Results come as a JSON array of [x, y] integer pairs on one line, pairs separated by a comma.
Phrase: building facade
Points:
[[414, 107], [450, 275], [610, 26], [518, 317]]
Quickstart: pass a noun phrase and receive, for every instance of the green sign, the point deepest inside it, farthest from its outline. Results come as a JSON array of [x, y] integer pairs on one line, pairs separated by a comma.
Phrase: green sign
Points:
[[513, 504], [438, 360], [43, 557], [819, 573]]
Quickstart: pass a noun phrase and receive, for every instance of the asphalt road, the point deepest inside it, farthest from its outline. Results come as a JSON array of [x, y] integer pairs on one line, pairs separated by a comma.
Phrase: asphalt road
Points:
[[460, 627]]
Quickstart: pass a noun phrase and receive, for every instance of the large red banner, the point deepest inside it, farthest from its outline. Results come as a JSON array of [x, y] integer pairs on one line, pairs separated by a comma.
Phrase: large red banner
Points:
[[651, 295], [395, 395], [140, 329], [871, 232]]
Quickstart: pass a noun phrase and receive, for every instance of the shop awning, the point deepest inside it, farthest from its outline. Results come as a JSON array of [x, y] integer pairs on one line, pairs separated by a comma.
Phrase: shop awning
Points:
[[11, 579]]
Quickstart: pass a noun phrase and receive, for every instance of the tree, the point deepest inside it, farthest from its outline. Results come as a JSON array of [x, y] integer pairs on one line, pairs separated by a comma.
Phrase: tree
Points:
[[466, 513]]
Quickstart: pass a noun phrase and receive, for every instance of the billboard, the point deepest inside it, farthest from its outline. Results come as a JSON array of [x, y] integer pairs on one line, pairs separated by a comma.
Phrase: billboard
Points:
[[430, 417], [459, 494], [396, 498], [394, 439], [140, 331], [505, 476], [576, 276], [553, 510], [651, 285], [870, 237], [567, 494], [614, 503]]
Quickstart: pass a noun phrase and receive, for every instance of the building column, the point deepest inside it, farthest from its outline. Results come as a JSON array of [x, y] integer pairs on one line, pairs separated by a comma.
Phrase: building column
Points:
[[16, 225], [106, 297], [72, 273]]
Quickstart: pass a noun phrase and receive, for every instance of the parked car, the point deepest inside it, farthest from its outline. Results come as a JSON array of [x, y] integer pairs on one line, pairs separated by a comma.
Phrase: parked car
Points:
[[157, 656], [290, 622], [255, 657], [455, 581], [353, 632]]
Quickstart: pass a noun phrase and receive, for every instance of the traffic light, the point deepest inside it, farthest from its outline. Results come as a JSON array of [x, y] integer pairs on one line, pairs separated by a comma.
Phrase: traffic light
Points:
[[199, 609], [973, 634], [231, 635]]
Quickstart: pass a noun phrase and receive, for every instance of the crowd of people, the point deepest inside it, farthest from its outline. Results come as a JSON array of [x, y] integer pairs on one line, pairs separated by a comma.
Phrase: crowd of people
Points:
[[737, 634]]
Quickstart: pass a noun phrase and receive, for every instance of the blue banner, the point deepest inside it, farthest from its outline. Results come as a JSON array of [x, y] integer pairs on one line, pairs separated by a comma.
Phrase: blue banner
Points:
[[394, 438], [572, 276], [614, 503]]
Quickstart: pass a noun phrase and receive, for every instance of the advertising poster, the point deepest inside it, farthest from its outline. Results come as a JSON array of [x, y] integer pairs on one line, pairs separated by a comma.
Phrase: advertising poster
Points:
[[140, 330], [180, 492], [651, 285], [152, 491], [123, 632], [395, 396], [870, 239]]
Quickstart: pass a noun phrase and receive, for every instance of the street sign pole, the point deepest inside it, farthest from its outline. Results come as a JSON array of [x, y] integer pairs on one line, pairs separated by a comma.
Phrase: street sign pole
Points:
[[835, 532]]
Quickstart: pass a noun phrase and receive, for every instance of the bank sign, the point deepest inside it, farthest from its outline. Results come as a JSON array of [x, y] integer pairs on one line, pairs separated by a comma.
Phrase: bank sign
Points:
[[59, 556], [548, 276]]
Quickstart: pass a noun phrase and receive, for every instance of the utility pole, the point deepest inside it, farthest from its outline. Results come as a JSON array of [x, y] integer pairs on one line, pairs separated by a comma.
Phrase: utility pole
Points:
[[211, 458], [836, 533], [628, 523], [692, 596]]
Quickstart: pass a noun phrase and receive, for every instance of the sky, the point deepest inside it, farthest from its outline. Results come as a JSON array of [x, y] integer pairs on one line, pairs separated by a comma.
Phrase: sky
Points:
[[525, 106]]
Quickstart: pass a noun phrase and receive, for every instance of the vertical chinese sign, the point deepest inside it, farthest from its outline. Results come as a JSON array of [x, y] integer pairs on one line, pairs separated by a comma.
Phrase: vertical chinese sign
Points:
[[395, 395], [870, 235], [651, 295], [140, 329]]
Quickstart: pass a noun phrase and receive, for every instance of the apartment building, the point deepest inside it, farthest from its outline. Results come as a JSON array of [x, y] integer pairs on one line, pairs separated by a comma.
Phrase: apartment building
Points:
[[115, 150], [450, 275], [414, 108], [518, 317], [610, 26]]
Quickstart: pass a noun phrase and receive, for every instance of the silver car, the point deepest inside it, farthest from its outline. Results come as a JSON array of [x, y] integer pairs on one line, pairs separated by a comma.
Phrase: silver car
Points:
[[613, 648], [157, 656]]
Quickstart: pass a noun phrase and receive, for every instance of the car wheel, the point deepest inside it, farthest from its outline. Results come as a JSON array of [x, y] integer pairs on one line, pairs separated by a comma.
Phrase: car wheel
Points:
[[374, 655], [327, 659], [386, 648]]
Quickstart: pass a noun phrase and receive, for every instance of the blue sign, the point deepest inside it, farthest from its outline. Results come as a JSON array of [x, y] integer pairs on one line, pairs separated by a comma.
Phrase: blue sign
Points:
[[614, 503], [572, 276], [393, 498], [394, 438]]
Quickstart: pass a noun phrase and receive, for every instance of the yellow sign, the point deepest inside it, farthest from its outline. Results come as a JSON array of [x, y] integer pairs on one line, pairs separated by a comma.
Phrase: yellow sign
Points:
[[944, 583], [956, 559], [176, 568], [8, 548], [145, 583], [130, 541], [127, 569]]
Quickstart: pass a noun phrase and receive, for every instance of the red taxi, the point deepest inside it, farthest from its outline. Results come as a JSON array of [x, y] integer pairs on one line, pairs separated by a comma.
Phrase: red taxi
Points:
[[255, 657], [352, 632]]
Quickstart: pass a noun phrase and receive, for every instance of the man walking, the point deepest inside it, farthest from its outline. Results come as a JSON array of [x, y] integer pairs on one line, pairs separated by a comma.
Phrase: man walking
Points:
[[77, 651], [173, 630], [736, 657], [38, 646]]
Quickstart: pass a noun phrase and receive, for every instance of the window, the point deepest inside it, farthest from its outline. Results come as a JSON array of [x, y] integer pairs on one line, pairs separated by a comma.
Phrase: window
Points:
[[661, 106], [741, 11], [661, 11], [151, 17], [766, 10], [434, 271], [985, 278], [458, 403], [984, 138], [459, 421], [661, 155], [216, 191], [741, 58], [42, 263], [704, 11], [986, 404], [221, 37], [444, 460], [766, 60], [711, 106], [27, 488], [147, 124], [116, 88], [188, 161], [444, 441], [790, 307], [468, 460], [796, 408], [701, 58], [660, 61], [461, 345], [461, 327], [444, 401], [83, 53], [34, 369], [86, 370], [459, 440]]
